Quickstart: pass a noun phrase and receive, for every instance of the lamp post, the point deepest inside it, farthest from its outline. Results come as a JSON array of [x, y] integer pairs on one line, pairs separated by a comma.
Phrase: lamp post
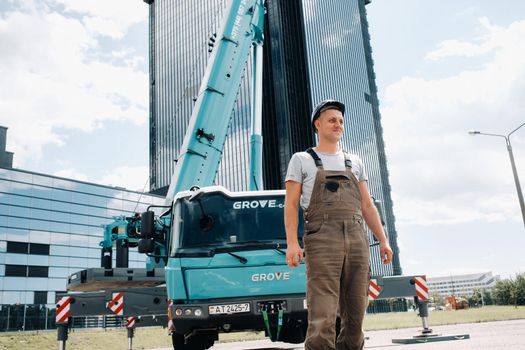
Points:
[[512, 163]]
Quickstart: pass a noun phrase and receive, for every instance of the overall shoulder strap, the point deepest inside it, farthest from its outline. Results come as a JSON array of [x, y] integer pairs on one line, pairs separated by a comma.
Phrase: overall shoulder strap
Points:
[[317, 160], [348, 161]]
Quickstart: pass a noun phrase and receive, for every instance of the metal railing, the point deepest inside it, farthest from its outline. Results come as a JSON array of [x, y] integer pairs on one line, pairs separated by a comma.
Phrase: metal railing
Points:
[[20, 317]]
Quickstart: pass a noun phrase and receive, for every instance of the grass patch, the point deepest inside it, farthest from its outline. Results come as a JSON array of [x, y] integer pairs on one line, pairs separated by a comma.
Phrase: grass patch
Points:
[[396, 320], [157, 337]]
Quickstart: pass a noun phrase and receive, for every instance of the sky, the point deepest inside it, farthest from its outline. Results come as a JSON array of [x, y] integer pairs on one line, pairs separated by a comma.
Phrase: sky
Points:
[[74, 95]]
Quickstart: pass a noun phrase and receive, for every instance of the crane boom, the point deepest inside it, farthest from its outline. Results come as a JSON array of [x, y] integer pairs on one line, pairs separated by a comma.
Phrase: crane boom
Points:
[[203, 143]]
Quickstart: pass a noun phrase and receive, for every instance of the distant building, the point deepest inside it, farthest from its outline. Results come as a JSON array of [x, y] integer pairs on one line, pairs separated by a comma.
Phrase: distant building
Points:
[[462, 285], [50, 227]]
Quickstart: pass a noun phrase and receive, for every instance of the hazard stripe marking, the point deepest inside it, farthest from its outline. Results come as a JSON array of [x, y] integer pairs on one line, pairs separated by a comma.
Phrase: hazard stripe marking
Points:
[[117, 304], [373, 290], [171, 326], [421, 287], [130, 322], [63, 310]]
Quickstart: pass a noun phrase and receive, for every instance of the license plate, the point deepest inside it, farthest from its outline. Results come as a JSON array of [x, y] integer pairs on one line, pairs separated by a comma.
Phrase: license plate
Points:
[[228, 309]]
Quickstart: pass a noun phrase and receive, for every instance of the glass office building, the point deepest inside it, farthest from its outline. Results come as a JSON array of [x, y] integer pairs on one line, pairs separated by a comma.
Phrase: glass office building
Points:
[[50, 227], [313, 50]]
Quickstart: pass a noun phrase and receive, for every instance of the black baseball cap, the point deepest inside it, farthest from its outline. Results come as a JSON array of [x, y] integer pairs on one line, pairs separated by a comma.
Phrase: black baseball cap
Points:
[[326, 105]]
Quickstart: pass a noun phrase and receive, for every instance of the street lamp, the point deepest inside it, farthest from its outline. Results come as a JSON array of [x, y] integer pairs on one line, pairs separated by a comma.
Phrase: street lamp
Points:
[[512, 163]]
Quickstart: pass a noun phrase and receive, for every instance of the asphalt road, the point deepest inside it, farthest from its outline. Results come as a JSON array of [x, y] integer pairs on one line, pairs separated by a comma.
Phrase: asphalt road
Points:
[[502, 335]]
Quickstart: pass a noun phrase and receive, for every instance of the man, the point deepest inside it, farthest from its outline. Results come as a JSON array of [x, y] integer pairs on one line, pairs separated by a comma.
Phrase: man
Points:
[[331, 187]]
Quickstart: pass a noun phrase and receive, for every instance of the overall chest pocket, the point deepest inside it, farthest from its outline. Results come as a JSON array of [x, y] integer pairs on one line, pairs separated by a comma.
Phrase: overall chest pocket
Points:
[[332, 187]]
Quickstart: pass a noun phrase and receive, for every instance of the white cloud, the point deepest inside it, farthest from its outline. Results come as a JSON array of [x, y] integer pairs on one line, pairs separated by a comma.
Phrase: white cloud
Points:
[[109, 18], [494, 38], [439, 173], [54, 77], [71, 173], [131, 178]]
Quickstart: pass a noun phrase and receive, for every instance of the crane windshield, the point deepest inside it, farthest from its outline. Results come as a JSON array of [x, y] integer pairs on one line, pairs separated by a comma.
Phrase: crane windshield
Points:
[[215, 219]]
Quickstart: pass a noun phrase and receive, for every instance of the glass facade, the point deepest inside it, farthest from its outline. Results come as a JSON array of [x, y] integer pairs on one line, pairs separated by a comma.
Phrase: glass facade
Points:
[[179, 35], [50, 227], [313, 50]]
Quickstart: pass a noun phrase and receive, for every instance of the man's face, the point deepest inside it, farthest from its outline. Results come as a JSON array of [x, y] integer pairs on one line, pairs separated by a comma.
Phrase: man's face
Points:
[[330, 125]]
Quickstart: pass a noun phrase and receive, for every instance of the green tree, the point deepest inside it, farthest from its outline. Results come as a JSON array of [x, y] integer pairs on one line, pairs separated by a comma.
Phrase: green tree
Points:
[[518, 292], [487, 297], [475, 299], [502, 292]]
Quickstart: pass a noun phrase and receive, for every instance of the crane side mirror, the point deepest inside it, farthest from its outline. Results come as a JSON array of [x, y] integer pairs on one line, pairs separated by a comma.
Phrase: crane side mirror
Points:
[[147, 225], [145, 246]]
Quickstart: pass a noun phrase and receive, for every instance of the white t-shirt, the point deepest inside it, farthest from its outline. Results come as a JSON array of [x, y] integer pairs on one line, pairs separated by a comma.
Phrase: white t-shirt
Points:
[[302, 169]]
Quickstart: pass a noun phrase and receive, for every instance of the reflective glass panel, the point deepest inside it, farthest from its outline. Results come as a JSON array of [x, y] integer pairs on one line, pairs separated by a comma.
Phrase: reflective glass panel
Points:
[[61, 272], [19, 200], [10, 298], [4, 209], [59, 250], [40, 225], [42, 237], [59, 238], [58, 261], [41, 192], [16, 259], [78, 262], [40, 214], [38, 283], [61, 195], [57, 284], [42, 180], [80, 252], [41, 203], [15, 283], [40, 260], [22, 177], [18, 222]]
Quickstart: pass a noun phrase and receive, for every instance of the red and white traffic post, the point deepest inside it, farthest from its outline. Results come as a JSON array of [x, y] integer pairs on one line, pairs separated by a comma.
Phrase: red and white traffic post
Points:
[[63, 311]]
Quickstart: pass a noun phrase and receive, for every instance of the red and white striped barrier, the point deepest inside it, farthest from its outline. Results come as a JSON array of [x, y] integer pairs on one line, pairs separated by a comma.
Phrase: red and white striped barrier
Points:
[[171, 326], [63, 310], [131, 322], [421, 287], [117, 304], [373, 290]]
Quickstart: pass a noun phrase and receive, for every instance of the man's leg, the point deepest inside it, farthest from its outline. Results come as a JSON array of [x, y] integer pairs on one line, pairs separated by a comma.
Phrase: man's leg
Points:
[[324, 258], [354, 288]]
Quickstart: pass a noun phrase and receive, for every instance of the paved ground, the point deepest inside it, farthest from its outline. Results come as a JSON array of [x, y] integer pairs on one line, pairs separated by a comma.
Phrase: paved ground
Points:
[[503, 335]]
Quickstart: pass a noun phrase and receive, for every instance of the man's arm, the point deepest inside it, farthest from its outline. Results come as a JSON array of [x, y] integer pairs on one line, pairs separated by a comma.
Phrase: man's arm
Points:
[[373, 221], [291, 222]]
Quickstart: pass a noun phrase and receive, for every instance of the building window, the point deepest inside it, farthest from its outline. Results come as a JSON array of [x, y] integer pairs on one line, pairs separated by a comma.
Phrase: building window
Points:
[[17, 247], [40, 297], [16, 270], [39, 249], [37, 271]]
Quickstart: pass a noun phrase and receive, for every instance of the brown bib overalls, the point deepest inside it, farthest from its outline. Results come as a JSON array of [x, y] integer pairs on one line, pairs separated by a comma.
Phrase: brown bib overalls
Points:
[[337, 261]]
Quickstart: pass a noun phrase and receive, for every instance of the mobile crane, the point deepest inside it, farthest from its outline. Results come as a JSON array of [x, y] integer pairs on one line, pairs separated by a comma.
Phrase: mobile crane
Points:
[[215, 258]]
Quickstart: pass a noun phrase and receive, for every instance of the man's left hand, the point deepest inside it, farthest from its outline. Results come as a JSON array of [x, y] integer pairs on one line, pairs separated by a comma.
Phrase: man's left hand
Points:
[[386, 253]]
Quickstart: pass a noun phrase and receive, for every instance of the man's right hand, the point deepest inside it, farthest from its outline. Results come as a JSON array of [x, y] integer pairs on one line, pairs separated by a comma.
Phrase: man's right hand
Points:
[[294, 255]]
